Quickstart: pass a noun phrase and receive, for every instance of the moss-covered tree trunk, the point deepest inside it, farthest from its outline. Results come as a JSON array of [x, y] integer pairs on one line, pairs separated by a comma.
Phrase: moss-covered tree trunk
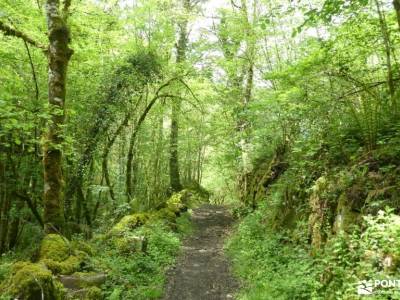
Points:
[[59, 55], [396, 4]]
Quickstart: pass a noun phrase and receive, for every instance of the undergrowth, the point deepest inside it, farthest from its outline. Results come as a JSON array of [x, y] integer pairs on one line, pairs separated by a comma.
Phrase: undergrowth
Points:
[[274, 265], [269, 265], [142, 275]]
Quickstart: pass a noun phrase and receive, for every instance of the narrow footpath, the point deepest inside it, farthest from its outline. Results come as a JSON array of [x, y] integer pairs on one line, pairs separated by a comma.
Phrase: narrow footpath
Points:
[[203, 271]]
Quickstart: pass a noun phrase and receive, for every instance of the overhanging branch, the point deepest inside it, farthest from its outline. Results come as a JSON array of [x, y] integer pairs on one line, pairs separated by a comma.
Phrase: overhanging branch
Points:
[[10, 31]]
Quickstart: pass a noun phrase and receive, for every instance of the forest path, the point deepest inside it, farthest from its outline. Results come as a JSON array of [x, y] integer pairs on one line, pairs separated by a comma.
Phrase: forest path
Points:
[[203, 272]]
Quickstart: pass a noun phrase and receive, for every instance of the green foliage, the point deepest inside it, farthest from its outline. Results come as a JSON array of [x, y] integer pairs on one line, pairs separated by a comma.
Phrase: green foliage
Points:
[[329, 94], [268, 263], [277, 265], [140, 275], [370, 254]]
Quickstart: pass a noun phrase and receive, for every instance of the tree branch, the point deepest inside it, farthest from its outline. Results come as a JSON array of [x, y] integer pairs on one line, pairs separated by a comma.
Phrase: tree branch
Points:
[[33, 71], [32, 207], [9, 31]]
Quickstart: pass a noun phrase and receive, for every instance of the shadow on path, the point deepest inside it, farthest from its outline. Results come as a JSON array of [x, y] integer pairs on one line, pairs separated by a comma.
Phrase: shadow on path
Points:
[[203, 272]]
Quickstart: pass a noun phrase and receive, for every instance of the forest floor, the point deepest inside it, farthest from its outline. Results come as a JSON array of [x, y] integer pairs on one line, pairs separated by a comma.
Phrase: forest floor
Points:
[[203, 271]]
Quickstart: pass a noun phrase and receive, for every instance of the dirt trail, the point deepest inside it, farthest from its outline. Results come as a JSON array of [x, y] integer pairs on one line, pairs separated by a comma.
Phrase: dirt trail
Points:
[[202, 272]]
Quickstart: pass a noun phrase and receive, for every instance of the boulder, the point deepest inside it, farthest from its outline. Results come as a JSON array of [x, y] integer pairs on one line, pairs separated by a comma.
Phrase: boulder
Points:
[[32, 281], [78, 281]]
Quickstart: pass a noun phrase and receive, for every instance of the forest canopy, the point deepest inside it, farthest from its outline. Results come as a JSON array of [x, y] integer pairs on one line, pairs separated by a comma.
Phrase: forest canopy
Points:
[[118, 118]]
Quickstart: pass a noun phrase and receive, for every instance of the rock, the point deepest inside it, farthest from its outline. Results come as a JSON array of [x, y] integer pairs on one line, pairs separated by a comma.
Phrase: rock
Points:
[[54, 247], [345, 215], [78, 281], [129, 223], [316, 218], [32, 281], [58, 254], [130, 243]]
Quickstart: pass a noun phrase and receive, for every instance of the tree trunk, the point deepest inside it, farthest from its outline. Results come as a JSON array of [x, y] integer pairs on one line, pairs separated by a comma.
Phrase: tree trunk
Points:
[[244, 125], [59, 55], [388, 51], [181, 48], [142, 118], [175, 181], [107, 150], [396, 4], [131, 166]]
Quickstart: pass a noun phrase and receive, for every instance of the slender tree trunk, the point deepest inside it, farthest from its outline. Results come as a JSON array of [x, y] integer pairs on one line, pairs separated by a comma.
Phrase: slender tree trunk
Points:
[[396, 4], [131, 166], [15, 226], [158, 159], [181, 48], [59, 55], [142, 118], [174, 175], [4, 220], [386, 40], [244, 124], [106, 151], [4, 226]]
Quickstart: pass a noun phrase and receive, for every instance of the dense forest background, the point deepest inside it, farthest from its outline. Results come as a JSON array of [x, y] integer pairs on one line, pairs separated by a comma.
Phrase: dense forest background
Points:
[[117, 114]]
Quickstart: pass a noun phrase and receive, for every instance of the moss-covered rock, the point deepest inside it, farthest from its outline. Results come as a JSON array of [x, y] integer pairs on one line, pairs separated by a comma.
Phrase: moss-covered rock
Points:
[[176, 202], [317, 215], [83, 247], [68, 266], [123, 239], [54, 247], [93, 293], [80, 280], [32, 281], [130, 222], [62, 257], [166, 214], [130, 244], [345, 216]]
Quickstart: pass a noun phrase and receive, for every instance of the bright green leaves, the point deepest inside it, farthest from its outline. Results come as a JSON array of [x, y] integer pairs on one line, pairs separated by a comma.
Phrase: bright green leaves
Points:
[[333, 8]]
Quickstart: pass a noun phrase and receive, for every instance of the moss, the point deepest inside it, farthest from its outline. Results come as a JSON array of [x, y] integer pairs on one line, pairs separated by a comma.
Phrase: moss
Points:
[[130, 244], [83, 246], [54, 247], [29, 281], [93, 293], [61, 257], [175, 203], [121, 236], [199, 192], [166, 214], [130, 222], [66, 267], [317, 215], [89, 279], [345, 216]]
